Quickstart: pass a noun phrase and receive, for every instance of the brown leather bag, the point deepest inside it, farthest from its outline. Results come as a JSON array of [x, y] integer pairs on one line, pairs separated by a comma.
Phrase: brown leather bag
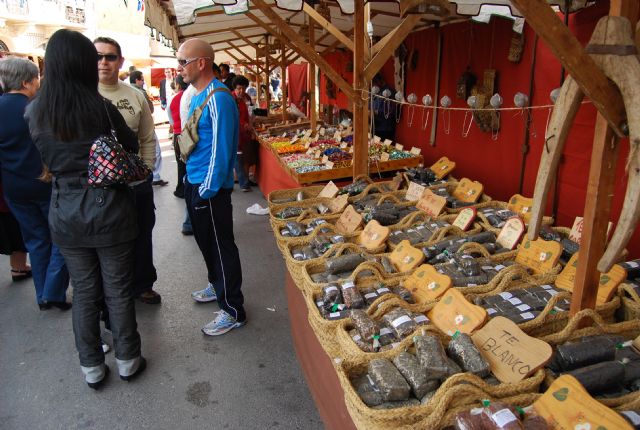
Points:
[[189, 137]]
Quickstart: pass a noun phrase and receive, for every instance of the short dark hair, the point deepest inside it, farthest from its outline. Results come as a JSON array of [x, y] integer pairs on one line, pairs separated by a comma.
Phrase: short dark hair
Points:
[[181, 83], [224, 66], [135, 75], [109, 41], [216, 68], [240, 80]]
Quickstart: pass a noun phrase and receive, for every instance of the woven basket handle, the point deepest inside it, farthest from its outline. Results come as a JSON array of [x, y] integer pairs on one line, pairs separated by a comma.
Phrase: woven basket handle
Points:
[[414, 218], [473, 247], [626, 288], [305, 213], [368, 265], [386, 197], [574, 324], [363, 177]]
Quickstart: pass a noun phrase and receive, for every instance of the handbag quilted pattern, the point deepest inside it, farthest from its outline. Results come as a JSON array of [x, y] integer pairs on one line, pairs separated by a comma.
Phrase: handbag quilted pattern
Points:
[[110, 164]]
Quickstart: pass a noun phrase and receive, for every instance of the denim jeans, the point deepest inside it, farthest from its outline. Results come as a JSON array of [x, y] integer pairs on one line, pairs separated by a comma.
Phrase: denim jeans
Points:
[[50, 275], [243, 180], [99, 274]]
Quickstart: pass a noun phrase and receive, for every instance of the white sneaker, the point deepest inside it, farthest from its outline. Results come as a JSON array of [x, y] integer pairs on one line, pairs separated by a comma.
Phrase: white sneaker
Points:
[[206, 295], [222, 324]]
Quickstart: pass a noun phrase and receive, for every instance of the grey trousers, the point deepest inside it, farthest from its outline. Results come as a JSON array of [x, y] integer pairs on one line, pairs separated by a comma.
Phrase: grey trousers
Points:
[[98, 273]]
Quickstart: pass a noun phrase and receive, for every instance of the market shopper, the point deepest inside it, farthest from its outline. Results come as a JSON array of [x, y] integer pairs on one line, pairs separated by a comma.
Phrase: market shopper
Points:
[[209, 184], [95, 227], [134, 109], [26, 195], [226, 76], [246, 133]]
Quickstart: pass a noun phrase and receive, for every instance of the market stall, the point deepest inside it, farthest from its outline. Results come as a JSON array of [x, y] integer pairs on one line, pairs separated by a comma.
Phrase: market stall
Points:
[[451, 295]]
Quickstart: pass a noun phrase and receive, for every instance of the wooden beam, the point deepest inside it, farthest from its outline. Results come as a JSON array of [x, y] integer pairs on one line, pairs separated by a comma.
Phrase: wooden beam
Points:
[[388, 44], [604, 95], [337, 33], [283, 82], [268, 74], [253, 45], [311, 78], [224, 30], [304, 49], [360, 107], [217, 12], [245, 55]]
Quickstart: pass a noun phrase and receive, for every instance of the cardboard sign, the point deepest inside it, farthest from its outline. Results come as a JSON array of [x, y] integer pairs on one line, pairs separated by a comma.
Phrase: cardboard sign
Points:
[[330, 190], [608, 281], [521, 205], [338, 204], [567, 405], [317, 154], [512, 354], [416, 151], [337, 136], [511, 233], [324, 159], [426, 284], [455, 313], [430, 203], [349, 221], [329, 164], [344, 145], [307, 133], [284, 134], [465, 218], [294, 139], [576, 230], [539, 255], [387, 142], [405, 257], [384, 156], [399, 147], [414, 192], [374, 235], [468, 191], [318, 127], [376, 139], [443, 167], [321, 131]]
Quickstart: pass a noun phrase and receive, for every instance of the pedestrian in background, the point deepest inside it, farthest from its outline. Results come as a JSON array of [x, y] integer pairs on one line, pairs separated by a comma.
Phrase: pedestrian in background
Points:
[[26, 195]]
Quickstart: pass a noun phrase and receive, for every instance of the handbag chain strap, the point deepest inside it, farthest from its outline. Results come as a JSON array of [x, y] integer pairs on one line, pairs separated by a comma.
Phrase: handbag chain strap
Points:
[[113, 129]]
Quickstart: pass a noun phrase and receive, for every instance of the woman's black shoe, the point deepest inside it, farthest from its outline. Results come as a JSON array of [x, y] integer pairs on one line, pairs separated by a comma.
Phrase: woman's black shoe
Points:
[[20, 275], [97, 385], [63, 306], [141, 367], [44, 306]]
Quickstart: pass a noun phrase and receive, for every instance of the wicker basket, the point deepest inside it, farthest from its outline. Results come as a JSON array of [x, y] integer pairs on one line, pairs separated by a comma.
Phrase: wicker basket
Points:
[[305, 218], [296, 265], [307, 204], [482, 202], [305, 283], [627, 329], [630, 309], [325, 330], [307, 192], [460, 390], [498, 205]]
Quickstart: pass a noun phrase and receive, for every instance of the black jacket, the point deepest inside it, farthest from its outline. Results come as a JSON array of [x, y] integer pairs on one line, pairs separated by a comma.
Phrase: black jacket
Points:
[[163, 92], [81, 215]]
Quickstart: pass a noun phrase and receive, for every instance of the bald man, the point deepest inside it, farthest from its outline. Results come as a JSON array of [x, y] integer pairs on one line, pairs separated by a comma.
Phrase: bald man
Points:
[[209, 183]]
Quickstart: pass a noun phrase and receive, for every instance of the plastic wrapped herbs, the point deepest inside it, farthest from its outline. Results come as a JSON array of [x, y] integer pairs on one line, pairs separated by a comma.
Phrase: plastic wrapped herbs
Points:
[[400, 321], [295, 229], [369, 393], [580, 354], [351, 296], [465, 353], [365, 325], [499, 416], [387, 337], [600, 377], [388, 380], [432, 357], [289, 212], [403, 293], [415, 375], [369, 294], [343, 263], [632, 417], [331, 295], [362, 344]]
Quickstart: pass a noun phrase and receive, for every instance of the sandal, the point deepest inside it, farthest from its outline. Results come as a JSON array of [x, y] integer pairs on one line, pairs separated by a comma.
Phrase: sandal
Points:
[[150, 297], [20, 275]]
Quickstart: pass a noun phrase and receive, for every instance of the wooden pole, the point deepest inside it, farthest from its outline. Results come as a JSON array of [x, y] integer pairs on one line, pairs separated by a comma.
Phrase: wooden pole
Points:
[[597, 208], [360, 107], [283, 83], [313, 113], [268, 72]]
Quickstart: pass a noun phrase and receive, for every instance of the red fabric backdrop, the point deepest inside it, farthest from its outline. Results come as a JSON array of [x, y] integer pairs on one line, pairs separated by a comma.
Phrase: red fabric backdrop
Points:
[[497, 163], [296, 82]]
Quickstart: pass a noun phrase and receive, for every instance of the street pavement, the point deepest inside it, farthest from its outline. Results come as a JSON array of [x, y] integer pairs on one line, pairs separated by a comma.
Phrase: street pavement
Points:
[[246, 379]]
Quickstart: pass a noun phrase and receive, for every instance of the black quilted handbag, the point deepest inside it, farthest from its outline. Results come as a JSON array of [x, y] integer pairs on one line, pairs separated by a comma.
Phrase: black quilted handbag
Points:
[[111, 164]]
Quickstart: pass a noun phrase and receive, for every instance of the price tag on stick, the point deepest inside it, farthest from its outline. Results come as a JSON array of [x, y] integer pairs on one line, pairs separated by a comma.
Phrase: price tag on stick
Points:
[[349, 221], [414, 192], [511, 233], [330, 190], [430, 203], [338, 204], [465, 218]]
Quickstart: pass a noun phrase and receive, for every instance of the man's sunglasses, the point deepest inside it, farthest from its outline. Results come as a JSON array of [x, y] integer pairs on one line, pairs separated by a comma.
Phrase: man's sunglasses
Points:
[[184, 63], [109, 57]]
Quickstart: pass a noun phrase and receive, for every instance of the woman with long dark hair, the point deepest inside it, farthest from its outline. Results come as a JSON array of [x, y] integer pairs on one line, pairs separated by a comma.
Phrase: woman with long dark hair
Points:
[[94, 227]]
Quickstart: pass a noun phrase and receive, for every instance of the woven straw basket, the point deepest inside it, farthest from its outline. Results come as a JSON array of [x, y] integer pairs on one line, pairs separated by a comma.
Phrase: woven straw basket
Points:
[[498, 205]]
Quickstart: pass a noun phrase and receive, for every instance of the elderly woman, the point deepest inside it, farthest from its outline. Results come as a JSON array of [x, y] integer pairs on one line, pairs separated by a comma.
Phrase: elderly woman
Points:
[[26, 195]]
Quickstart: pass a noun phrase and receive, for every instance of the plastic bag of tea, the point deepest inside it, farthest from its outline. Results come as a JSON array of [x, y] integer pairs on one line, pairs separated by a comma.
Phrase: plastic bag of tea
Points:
[[400, 322], [389, 380]]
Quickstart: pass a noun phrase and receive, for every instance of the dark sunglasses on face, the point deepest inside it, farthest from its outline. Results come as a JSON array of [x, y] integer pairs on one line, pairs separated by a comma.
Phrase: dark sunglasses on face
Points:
[[109, 57], [187, 62]]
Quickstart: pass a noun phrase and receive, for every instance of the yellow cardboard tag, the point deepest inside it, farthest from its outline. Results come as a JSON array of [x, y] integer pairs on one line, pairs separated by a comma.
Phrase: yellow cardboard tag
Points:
[[349, 221], [373, 235], [468, 191], [465, 218], [455, 313], [405, 257], [511, 233], [414, 192], [539, 255], [567, 405], [608, 281], [512, 354], [426, 284], [521, 205], [430, 203], [330, 190], [338, 204], [443, 167]]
